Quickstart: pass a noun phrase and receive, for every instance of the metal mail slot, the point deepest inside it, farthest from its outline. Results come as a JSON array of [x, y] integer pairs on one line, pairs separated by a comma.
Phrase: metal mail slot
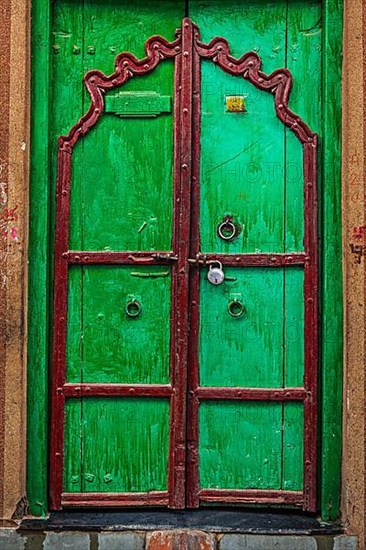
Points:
[[138, 104]]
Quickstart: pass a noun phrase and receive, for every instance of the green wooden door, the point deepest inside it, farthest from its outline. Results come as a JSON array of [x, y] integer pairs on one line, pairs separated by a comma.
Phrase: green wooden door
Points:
[[254, 442], [168, 389]]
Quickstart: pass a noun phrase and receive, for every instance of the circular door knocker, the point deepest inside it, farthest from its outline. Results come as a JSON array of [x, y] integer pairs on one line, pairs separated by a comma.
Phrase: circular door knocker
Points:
[[236, 308], [133, 308], [227, 230]]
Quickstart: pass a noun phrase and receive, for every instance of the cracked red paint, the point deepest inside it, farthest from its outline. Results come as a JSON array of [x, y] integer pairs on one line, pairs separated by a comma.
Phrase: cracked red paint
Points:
[[8, 217], [359, 232]]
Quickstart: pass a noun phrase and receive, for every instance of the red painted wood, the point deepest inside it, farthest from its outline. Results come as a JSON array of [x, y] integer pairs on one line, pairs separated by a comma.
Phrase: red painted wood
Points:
[[251, 260], [116, 390], [154, 498], [251, 394], [252, 496], [194, 290], [165, 258], [174, 404], [311, 323], [124, 258], [59, 321], [180, 302]]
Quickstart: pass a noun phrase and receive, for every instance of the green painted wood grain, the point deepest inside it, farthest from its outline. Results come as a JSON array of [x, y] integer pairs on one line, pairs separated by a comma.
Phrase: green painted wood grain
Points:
[[107, 346], [239, 151], [303, 57], [245, 351], [331, 254], [240, 445], [67, 101], [264, 347], [114, 26], [124, 182], [127, 180], [293, 327], [129, 163], [127, 185], [251, 445], [73, 446], [124, 445], [293, 448], [38, 267], [304, 43]]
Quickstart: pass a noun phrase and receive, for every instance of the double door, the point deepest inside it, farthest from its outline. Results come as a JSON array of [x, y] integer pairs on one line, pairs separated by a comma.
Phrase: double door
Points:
[[185, 309]]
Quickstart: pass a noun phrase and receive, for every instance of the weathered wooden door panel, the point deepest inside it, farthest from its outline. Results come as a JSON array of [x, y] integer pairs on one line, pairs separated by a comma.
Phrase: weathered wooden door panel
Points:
[[105, 215], [251, 167], [167, 389], [123, 187], [112, 431], [265, 347], [105, 345], [238, 160], [266, 441]]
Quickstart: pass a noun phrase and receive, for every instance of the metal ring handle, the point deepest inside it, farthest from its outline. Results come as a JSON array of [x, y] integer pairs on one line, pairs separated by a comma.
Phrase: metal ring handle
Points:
[[133, 308], [230, 230], [236, 308]]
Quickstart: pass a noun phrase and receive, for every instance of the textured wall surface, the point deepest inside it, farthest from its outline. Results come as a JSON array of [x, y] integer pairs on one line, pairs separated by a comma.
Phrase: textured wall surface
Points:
[[354, 265], [14, 85], [14, 116], [4, 149]]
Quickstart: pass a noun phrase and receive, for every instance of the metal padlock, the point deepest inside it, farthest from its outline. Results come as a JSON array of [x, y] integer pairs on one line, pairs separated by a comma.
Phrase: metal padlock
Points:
[[215, 275]]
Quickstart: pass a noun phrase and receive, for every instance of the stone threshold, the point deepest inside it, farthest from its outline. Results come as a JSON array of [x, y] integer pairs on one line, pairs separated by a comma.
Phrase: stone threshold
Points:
[[156, 529], [208, 519]]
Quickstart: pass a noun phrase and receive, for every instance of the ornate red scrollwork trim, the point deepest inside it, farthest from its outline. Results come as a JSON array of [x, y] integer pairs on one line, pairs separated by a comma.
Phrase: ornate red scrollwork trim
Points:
[[278, 83], [126, 66]]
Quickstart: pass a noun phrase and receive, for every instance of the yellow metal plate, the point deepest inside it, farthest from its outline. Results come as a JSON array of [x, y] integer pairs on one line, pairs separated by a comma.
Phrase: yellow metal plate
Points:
[[235, 104]]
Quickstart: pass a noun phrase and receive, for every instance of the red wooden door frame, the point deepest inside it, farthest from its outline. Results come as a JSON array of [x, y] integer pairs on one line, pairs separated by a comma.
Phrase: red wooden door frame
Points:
[[186, 259]]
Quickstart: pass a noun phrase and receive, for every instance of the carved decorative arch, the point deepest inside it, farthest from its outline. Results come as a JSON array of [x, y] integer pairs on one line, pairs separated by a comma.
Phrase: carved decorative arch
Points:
[[126, 66], [248, 66], [157, 48]]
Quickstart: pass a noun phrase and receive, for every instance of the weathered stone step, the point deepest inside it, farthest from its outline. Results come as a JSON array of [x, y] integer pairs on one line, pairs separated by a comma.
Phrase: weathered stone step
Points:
[[182, 539]]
